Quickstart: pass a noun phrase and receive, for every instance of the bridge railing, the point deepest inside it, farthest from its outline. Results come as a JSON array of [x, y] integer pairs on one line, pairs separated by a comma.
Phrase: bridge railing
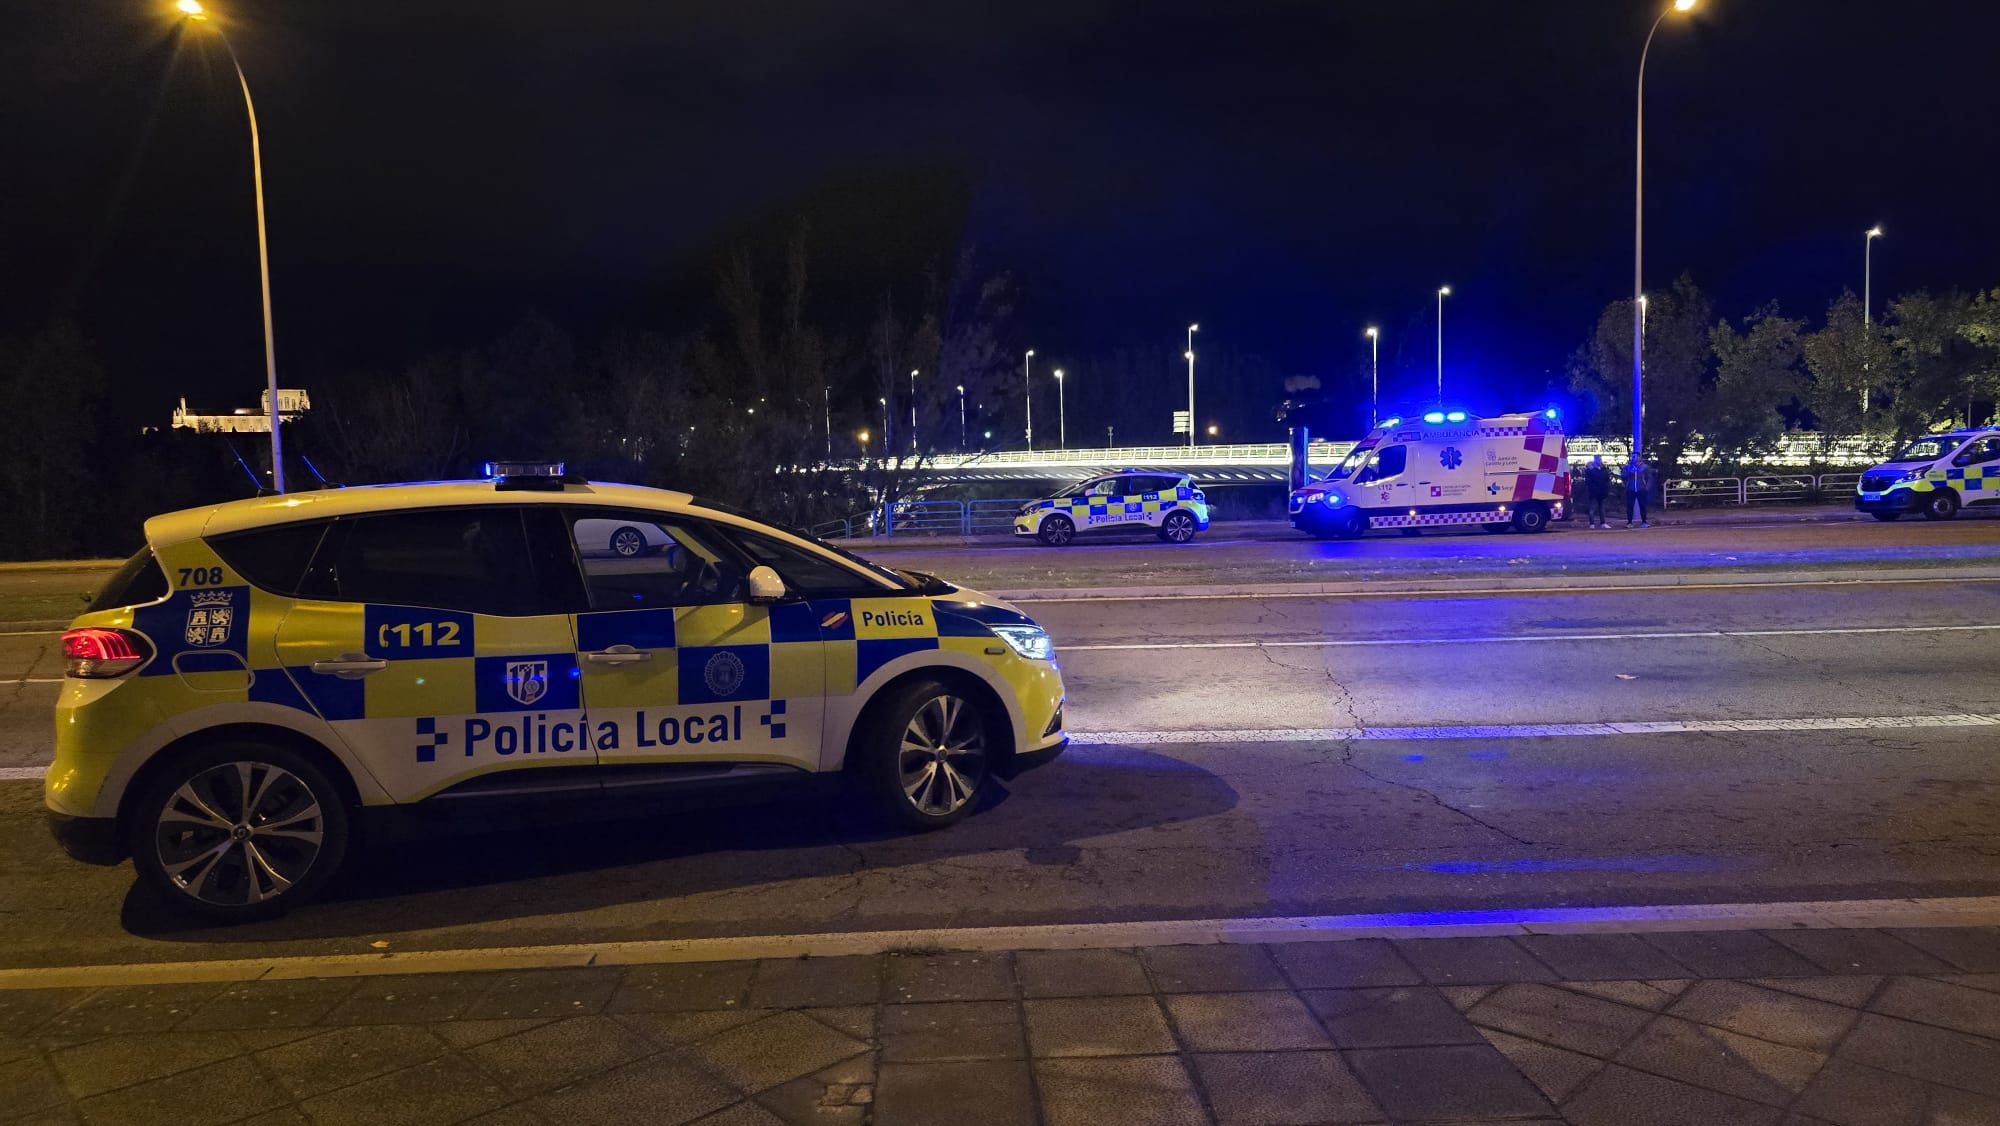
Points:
[[990, 517], [1768, 488]]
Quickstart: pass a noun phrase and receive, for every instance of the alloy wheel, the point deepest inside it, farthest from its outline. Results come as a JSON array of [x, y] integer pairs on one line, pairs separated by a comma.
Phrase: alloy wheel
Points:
[[942, 762], [239, 833]]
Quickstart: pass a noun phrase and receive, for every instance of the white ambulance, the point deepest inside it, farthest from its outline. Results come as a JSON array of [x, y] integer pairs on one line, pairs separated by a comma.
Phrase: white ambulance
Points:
[[1444, 468]]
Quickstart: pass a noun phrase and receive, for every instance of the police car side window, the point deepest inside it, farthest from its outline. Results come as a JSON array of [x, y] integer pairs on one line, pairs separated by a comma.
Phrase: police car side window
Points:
[[643, 560], [274, 559], [1108, 487], [805, 573], [470, 559], [1978, 453]]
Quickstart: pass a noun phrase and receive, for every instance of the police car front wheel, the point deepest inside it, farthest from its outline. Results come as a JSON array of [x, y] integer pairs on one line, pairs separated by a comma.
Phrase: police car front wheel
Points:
[[927, 756], [1178, 527], [239, 831], [1942, 505], [1057, 530]]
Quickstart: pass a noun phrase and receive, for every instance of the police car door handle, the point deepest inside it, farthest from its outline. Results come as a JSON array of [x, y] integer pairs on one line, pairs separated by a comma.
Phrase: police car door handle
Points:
[[349, 666], [618, 655]]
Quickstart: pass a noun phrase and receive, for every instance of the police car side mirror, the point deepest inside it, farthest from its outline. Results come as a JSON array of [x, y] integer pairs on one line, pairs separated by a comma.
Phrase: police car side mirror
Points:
[[765, 586]]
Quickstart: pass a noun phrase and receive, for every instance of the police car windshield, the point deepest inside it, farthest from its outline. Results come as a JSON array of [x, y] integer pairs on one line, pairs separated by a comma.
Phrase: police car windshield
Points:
[[1346, 468], [1077, 489], [1927, 449]]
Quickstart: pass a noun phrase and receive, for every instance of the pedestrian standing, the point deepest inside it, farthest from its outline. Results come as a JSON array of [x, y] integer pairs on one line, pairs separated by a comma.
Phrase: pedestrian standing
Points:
[[1638, 484], [1597, 489]]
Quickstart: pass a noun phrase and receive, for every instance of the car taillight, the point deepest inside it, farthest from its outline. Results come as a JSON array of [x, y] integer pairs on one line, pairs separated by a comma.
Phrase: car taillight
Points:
[[98, 654]]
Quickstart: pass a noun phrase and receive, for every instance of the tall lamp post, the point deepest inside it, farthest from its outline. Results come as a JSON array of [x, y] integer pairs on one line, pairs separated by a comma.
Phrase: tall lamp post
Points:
[[1062, 415], [913, 410], [961, 418], [1444, 291], [1192, 329], [1868, 296], [888, 430], [1028, 394], [194, 12], [1639, 240], [1374, 375]]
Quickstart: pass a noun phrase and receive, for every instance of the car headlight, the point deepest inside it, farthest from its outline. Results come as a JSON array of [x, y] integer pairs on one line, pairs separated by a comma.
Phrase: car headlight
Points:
[[1913, 475], [1029, 641]]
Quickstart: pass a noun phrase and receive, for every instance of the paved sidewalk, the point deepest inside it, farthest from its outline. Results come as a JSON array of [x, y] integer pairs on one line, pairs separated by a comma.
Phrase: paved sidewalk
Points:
[[1851, 1027]]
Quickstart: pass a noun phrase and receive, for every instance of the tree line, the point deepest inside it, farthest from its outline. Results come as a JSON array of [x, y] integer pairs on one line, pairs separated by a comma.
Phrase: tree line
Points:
[[1924, 362]]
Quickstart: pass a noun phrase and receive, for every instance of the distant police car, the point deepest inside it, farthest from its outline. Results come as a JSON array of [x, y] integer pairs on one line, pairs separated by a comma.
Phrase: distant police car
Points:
[[266, 670], [1935, 475], [1169, 503]]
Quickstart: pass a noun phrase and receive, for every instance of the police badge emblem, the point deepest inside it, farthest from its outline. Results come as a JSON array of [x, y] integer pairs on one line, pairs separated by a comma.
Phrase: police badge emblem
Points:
[[211, 615], [527, 681], [723, 674]]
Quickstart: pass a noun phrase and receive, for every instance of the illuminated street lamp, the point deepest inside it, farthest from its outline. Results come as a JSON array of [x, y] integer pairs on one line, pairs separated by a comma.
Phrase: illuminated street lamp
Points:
[[194, 13], [1444, 291], [1028, 394], [1374, 375], [1192, 329], [1639, 240], [1213, 429], [913, 409], [961, 418], [862, 436], [1868, 275], [1062, 415], [888, 434]]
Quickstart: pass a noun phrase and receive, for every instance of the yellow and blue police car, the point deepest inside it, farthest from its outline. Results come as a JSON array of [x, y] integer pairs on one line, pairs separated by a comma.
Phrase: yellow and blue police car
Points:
[[1169, 503], [1936, 475], [267, 673]]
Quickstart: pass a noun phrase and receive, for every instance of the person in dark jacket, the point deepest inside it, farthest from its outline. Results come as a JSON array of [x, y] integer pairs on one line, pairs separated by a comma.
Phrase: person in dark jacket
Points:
[[1638, 489], [1596, 489]]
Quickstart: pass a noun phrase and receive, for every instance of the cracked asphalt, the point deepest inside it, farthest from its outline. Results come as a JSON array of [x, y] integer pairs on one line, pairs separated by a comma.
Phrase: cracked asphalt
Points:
[[1210, 823]]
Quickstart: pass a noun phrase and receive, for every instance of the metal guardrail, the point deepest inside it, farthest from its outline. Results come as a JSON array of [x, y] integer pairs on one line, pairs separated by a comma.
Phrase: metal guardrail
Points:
[[925, 518], [1768, 488], [986, 517], [1831, 483], [1778, 488], [1697, 491]]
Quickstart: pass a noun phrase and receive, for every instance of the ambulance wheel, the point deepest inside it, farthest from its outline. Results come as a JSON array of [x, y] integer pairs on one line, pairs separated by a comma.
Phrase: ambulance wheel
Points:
[[1056, 531], [1943, 505], [1885, 517], [925, 759], [1531, 518], [1178, 527], [1351, 525], [628, 542], [1413, 531], [239, 831]]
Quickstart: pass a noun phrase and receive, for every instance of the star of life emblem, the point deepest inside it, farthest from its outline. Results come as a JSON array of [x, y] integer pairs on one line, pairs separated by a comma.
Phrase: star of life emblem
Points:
[[723, 674], [211, 615], [527, 681]]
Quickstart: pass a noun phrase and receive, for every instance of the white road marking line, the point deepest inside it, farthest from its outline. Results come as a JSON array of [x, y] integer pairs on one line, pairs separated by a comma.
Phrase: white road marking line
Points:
[[1821, 915], [1449, 592], [1497, 639], [22, 773], [1527, 731]]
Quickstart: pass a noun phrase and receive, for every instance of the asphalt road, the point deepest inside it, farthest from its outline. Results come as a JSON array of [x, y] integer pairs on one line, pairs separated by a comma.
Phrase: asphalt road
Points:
[[1244, 757]]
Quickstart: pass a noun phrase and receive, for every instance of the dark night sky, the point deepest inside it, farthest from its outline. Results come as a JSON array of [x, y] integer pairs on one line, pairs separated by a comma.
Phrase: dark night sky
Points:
[[1282, 172]]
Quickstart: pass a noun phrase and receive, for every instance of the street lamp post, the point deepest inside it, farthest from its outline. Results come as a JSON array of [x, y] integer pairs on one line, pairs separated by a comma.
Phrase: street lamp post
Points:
[[1374, 375], [826, 398], [913, 410], [888, 433], [1062, 415], [1867, 295], [194, 12], [1028, 394], [1192, 329], [961, 418], [1444, 291], [1639, 239]]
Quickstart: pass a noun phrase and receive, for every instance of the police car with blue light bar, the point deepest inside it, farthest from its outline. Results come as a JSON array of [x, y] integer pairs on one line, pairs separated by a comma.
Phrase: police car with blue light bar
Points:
[[266, 675], [1170, 505]]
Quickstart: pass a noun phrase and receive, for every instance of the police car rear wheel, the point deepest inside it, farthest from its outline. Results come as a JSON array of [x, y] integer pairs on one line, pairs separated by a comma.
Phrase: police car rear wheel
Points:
[[1056, 531], [1178, 527], [628, 542], [239, 831], [928, 759], [1942, 505]]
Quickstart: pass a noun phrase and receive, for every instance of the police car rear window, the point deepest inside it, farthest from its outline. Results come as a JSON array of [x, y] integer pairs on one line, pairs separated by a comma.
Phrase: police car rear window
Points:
[[274, 559], [471, 559], [136, 583]]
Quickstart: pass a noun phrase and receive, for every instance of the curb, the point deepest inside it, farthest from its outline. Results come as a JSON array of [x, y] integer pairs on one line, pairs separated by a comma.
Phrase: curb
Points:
[[37, 625], [1505, 583]]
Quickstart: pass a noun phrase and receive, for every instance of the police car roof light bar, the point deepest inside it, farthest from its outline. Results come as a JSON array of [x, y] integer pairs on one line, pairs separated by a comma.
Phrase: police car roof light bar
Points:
[[542, 475]]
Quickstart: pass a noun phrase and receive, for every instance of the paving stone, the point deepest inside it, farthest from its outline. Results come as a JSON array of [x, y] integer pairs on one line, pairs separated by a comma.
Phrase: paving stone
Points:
[[678, 987], [340, 1056], [949, 977], [408, 999], [1390, 1018], [1130, 1090], [205, 1096], [656, 1092], [12, 1049], [1940, 1003], [557, 1053], [1218, 968], [139, 1008], [774, 1050], [974, 1093], [798, 983], [1554, 1071], [745, 1113], [22, 1011], [1283, 1089], [50, 1116], [1620, 1096], [106, 1064], [1348, 964], [1672, 986], [271, 1004], [1961, 1108], [1601, 957], [1244, 1022], [1860, 952], [1969, 949], [1451, 1082], [1851, 992], [470, 1033], [842, 1095], [545, 993], [293, 1116], [857, 1021], [1782, 1018], [1722, 1061], [1589, 1025], [673, 1030], [1936, 1055], [1097, 1026], [443, 1090], [1472, 961], [1636, 994], [1988, 982], [1080, 973], [1731, 954], [951, 1030], [1849, 1094], [1463, 997], [28, 1084], [257, 1039]]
